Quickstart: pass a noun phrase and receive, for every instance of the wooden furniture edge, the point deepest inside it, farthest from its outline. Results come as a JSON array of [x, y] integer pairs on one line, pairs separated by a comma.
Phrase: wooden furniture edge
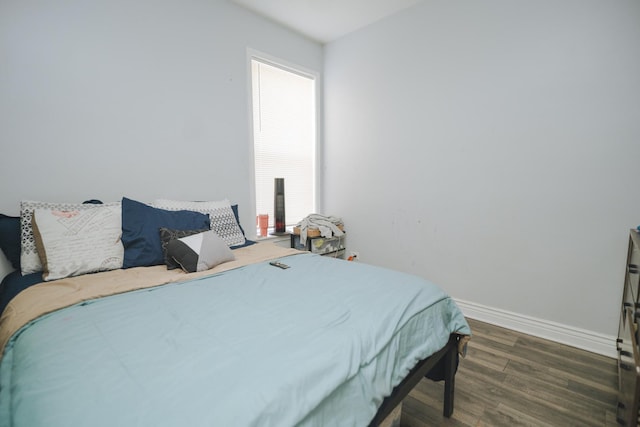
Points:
[[419, 371]]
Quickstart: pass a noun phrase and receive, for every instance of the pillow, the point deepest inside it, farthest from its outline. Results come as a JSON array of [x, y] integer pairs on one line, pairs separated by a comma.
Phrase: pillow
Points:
[[75, 242], [14, 283], [140, 230], [29, 259], [223, 222], [247, 242], [236, 215], [199, 252], [10, 239], [167, 235]]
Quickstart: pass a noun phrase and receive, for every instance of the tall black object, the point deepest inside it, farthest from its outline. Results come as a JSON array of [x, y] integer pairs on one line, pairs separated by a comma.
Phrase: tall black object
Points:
[[278, 205]]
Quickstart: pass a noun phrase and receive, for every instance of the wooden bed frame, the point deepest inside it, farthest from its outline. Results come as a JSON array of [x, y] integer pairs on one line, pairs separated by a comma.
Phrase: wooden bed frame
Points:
[[447, 355]]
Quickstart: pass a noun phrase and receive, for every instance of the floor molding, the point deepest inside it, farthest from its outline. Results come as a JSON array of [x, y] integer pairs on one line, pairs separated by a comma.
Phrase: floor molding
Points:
[[581, 338]]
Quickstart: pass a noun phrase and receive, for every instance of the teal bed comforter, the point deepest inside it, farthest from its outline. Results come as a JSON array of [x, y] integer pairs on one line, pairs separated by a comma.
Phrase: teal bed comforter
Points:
[[321, 343]]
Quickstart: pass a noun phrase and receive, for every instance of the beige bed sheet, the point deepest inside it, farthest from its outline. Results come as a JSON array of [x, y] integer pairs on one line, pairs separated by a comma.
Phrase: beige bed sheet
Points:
[[48, 297]]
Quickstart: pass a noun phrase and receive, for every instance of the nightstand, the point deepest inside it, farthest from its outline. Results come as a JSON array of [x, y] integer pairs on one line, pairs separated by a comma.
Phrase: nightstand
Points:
[[325, 246]]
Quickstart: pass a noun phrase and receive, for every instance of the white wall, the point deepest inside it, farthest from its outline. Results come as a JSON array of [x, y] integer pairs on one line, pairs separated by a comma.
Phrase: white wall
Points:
[[143, 99], [493, 148]]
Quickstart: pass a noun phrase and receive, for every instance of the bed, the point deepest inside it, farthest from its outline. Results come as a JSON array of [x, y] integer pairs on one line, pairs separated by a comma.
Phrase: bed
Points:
[[245, 343]]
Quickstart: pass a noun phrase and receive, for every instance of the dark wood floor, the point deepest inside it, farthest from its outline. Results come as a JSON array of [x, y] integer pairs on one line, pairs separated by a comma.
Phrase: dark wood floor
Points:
[[513, 379]]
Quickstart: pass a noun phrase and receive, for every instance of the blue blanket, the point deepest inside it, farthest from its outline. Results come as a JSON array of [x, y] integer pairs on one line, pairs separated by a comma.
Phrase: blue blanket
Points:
[[321, 343]]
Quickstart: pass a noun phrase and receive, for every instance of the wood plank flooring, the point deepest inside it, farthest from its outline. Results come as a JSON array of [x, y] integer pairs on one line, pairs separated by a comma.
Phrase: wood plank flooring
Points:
[[513, 379]]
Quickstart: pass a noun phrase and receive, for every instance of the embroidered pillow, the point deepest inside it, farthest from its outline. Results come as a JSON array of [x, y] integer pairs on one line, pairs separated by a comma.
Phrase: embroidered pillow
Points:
[[223, 221], [75, 242], [29, 258], [199, 252]]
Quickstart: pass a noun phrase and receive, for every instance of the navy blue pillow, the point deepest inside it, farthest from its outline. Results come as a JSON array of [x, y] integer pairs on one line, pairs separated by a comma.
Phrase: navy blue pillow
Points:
[[14, 283], [10, 239], [247, 242], [141, 230], [234, 208]]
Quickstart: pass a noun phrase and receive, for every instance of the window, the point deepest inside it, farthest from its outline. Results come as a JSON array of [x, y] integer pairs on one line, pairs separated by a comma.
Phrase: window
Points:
[[284, 138]]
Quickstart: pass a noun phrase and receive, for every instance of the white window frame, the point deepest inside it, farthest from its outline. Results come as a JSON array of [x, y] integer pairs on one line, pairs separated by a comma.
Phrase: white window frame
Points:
[[253, 54]]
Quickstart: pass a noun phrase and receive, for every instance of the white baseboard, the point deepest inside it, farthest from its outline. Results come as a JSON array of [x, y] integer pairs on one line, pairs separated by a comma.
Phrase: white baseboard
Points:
[[587, 340]]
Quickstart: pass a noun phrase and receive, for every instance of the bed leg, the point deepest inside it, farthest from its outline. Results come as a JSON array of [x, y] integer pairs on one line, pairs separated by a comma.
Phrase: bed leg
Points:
[[450, 378]]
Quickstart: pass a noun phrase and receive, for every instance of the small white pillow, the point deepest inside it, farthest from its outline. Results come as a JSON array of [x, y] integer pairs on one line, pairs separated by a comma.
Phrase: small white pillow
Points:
[[199, 252], [221, 216], [75, 242]]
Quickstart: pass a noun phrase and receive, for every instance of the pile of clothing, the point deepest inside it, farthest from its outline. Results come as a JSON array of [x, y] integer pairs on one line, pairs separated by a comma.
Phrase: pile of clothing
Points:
[[327, 225]]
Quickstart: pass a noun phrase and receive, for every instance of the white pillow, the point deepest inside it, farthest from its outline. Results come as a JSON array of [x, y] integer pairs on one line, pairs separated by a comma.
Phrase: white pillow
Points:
[[221, 216], [76, 242], [29, 258], [190, 206]]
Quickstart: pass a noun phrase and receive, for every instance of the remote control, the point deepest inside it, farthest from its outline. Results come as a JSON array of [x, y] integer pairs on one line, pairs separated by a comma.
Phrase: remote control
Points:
[[279, 264]]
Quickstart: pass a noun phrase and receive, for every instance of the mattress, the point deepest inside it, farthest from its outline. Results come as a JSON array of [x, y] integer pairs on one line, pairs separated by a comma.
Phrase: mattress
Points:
[[320, 343]]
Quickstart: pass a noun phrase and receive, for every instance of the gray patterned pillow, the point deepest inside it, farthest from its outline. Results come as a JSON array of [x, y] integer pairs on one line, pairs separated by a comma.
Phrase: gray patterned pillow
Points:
[[199, 252], [166, 235], [29, 258], [223, 221]]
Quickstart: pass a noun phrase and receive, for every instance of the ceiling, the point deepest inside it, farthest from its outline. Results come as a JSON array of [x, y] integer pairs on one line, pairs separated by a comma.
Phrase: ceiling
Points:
[[325, 20]]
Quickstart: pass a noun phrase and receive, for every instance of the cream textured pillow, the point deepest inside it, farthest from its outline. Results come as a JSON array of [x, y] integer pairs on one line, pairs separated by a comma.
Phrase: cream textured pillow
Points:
[[223, 221], [76, 242], [29, 259]]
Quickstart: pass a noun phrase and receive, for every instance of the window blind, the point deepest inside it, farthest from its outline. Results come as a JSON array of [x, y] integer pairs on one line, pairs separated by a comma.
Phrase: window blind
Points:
[[284, 139]]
